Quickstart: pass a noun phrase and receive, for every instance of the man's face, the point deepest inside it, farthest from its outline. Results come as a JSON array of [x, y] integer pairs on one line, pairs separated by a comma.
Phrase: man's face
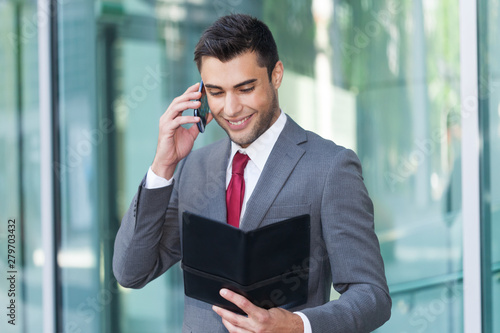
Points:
[[241, 98]]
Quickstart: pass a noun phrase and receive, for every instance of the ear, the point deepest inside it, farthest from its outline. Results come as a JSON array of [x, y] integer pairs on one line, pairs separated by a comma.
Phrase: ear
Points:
[[277, 74]]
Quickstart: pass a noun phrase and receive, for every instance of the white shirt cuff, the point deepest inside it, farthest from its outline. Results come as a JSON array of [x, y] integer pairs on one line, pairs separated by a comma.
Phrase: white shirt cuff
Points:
[[155, 181], [305, 320]]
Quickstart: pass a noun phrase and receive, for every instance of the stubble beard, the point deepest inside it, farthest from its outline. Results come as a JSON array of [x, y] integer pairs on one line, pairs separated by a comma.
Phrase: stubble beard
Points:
[[263, 124]]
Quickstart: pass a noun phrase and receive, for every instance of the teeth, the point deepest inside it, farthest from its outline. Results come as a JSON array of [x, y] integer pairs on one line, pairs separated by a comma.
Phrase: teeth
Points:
[[239, 122]]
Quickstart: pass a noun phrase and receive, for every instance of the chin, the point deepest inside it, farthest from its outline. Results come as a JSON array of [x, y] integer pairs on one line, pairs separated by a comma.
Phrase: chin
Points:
[[243, 142]]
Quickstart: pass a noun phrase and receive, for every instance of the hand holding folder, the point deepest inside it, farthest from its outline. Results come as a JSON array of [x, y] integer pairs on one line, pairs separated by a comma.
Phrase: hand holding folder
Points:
[[268, 265]]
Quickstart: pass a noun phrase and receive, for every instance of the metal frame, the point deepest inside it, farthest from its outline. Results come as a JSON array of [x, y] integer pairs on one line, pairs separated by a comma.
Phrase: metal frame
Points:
[[470, 167], [485, 166], [49, 295]]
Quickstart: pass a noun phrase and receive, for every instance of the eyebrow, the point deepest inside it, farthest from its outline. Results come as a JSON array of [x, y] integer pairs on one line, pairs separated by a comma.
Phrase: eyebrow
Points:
[[213, 86]]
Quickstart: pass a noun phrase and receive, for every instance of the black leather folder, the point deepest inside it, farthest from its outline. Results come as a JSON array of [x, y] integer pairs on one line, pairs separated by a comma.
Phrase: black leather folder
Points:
[[268, 265]]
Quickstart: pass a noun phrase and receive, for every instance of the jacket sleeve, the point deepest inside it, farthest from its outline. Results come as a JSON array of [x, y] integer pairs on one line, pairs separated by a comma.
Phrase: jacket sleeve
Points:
[[147, 242], [353, 252]]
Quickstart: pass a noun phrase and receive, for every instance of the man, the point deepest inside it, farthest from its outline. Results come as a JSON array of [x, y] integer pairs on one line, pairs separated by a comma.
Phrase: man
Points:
[[290, 172]]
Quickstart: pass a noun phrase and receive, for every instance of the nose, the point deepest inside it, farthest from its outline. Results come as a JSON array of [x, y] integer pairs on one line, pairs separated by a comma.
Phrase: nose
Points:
[[232, 106]]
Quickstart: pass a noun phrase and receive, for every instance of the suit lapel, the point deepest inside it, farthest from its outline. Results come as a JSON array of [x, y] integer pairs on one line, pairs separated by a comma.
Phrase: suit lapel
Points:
[[280, 164], [216, 181]]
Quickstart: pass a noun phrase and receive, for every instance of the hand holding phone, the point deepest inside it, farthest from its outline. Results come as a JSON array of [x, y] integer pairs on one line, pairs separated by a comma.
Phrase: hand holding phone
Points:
[[203, 110], [175, 141]]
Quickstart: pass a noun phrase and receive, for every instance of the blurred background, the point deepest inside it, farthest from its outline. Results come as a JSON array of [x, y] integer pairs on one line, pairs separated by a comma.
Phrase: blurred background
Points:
[[380, 77]]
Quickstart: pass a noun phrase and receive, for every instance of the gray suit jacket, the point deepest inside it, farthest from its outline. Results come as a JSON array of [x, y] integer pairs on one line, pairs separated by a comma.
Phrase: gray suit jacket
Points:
[[304, 174]]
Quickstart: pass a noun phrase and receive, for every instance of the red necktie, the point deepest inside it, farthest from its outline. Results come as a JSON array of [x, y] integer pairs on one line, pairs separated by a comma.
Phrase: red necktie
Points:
[[236, 190]]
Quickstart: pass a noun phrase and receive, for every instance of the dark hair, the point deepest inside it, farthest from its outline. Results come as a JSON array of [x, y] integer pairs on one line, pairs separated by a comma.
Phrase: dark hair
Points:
[[235, 34]]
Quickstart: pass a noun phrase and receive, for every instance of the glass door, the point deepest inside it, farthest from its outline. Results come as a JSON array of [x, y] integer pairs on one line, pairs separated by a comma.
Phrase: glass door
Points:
[[489, 110]]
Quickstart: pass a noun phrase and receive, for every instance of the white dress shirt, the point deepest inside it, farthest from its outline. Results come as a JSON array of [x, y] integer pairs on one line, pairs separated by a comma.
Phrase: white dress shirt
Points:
[[259, 152]]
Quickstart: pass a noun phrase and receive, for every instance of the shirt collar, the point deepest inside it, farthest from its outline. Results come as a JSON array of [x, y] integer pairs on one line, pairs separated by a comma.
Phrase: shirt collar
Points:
[[260, 149]]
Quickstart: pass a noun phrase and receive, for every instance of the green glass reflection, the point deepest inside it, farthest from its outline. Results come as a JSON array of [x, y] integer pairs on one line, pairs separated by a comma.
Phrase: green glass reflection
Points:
[[433, 309], [380, 77], [83, 298], [489, 104], [20, 156], [398, 60], [10, 186]]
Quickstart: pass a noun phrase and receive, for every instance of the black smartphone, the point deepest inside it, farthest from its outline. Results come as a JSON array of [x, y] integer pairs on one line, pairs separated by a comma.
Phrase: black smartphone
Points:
[[204, 109]]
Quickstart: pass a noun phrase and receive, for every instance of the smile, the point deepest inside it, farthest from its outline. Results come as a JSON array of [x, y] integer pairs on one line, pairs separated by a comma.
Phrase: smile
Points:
[[239, 122]]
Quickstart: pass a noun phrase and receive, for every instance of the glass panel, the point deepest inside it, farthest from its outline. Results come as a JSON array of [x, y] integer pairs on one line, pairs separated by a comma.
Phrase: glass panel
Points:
[[10, 185], [380, 77], [144, 64], [489, 97], [398, 62], [32, 243], [434, 309], [141, 95], [19, 170], [80, 133]]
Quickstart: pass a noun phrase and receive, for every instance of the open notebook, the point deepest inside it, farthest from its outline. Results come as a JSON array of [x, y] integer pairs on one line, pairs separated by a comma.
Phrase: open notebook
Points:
[[268, 265]]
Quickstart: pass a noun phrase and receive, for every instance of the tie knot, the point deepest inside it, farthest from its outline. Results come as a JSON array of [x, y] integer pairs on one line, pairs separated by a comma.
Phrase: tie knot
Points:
[[239, 163]]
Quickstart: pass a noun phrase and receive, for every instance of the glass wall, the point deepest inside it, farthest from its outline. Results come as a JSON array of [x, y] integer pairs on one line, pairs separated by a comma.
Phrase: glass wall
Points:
[[400, 61], [489, 108], [81, 133], [379, 77], [20, 165], [9, 143]]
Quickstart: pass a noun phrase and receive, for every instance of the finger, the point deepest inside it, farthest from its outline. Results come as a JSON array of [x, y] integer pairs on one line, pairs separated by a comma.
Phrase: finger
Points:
[[173, 115], [230, 317], [193, 91], [187, 96], [234, 329], [175, 110], [244, 304], [190, 93], [184, 120], [188, 100], [180, 106], [194, 87], [168, 127], [193, 130]]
